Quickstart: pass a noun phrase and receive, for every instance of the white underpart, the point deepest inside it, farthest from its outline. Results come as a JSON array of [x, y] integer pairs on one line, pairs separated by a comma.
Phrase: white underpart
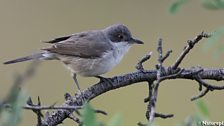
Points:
[[121, 49], [47, 55], [97, 66]]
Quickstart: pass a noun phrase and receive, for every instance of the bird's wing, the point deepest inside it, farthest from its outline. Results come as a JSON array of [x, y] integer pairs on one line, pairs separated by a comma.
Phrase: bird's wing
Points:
[[90, 44], [59, 39]]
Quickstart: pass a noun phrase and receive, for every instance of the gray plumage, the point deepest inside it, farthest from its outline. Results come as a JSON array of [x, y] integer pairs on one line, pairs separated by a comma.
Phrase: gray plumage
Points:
[[25, 58], [83, 45], [89, 53]]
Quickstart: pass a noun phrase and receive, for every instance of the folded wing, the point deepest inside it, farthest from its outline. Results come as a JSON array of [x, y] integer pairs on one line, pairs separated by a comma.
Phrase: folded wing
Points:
[[90, 44]]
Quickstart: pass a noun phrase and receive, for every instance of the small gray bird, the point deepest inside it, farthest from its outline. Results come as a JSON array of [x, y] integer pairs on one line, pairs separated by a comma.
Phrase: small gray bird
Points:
[[89, 53]]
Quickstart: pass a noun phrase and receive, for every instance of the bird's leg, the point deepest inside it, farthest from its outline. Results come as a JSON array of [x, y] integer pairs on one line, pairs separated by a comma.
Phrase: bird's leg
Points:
[[76, 82], [103, 79], [77, 85]]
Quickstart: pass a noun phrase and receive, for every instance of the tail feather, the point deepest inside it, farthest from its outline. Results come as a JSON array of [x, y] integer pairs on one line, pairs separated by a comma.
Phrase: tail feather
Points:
[[26, 58]]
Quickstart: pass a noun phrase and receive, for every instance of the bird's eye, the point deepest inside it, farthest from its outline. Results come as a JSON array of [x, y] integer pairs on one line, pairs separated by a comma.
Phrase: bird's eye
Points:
[[120, 36]]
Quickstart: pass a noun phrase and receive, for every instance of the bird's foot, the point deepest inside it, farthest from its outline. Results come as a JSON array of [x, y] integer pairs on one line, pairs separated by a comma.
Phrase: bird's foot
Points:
[[106, 80], [80, 95]]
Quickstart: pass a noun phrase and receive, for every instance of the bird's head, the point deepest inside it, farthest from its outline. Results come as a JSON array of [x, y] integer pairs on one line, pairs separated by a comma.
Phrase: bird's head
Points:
[[120, 33]]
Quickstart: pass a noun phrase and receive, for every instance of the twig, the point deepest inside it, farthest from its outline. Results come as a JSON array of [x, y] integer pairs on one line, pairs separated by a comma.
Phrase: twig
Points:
[[101, 112], [30, 103], [151, 110], [153, 98], [174, 75], [190, 45], [164, 116], [139, 65], [75, 119], [202, 93], [39, 114], [209, 86], [167, 55], [141, 124], [150, 86]]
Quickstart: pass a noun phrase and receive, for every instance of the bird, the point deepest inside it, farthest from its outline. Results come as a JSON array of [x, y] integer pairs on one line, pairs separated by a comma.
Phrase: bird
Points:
[[88, 53]]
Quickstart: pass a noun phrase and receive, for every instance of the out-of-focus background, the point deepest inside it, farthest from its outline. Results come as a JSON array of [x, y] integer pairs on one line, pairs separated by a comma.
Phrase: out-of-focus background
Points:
[[25, 23]]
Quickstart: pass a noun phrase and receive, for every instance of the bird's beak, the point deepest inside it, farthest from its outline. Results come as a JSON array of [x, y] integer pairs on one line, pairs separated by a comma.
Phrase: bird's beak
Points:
[[136, 41]]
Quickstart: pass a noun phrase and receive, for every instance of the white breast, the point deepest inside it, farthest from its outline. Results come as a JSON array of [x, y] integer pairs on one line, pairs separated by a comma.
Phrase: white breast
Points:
[[121, 49]]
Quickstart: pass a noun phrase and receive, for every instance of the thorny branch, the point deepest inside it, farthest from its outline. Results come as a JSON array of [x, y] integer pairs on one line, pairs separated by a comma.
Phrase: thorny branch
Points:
[[153, 77], [37, 110], [38, 107]]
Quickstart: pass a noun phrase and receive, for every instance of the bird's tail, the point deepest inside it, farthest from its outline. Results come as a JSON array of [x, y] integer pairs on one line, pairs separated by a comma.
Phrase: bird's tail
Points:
[[26, 58]]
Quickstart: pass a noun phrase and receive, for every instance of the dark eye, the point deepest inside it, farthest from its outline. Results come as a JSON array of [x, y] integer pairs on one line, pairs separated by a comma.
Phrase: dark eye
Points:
[[120, 36]]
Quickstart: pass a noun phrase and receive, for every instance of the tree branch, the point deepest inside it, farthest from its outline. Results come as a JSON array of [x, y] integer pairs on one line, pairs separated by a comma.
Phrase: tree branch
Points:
[[158, 75], [90, 93]]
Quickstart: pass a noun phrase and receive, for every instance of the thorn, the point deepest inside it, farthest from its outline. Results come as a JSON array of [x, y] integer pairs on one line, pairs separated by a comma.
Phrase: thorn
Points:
[[29, 101], [39, 103], [67, 96]]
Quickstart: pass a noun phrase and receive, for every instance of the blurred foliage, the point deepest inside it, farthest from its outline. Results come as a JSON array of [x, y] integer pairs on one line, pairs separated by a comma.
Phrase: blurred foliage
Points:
[[175, 7], [11, 106], [202, 114], [12, 115], [115, 121], [197, 118], [202, 107], [216, 36], [89, 118], [208, 4], [213, 4]]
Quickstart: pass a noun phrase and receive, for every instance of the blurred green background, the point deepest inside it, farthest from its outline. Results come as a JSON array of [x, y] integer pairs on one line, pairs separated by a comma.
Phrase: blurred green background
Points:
[[25, 23]]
